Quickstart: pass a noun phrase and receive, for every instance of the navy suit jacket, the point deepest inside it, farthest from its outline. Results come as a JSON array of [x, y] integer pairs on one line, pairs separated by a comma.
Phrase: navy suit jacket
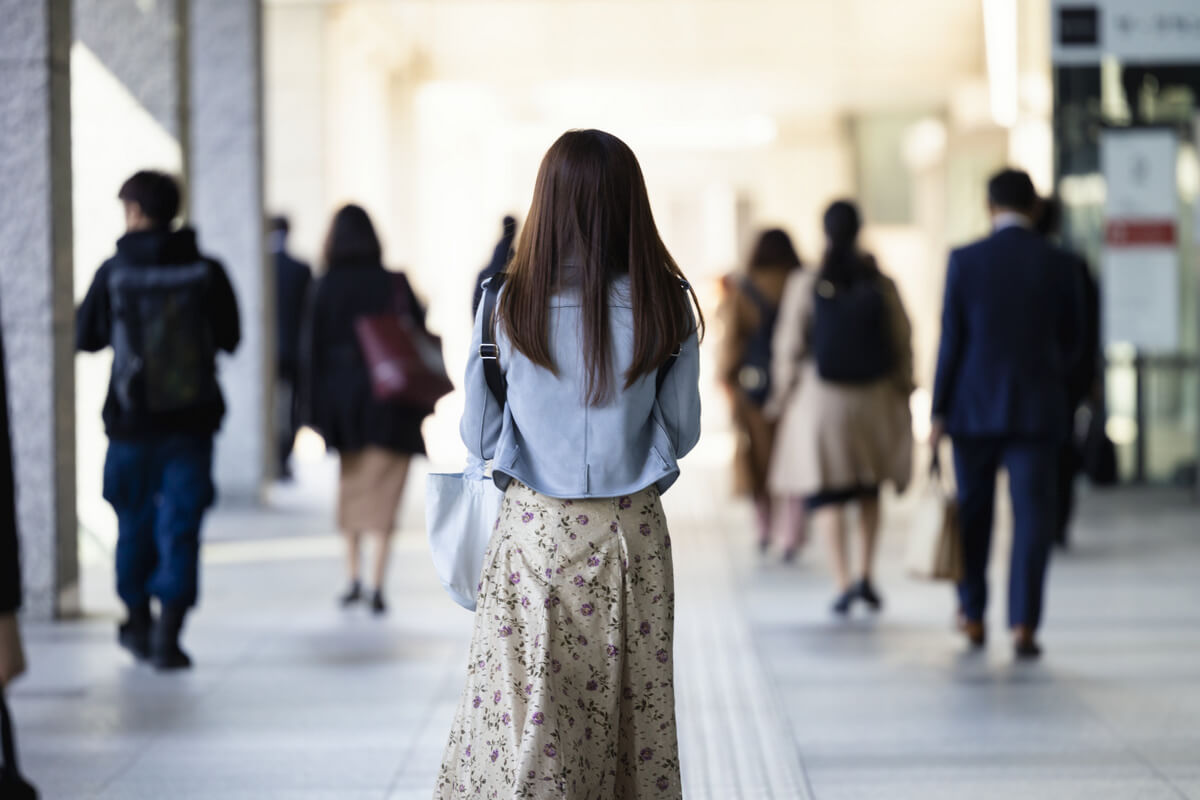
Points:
[[1012, 336]]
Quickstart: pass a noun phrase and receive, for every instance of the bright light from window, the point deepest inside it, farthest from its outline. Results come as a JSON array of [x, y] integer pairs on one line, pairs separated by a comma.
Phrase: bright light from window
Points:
[[1000, 32]]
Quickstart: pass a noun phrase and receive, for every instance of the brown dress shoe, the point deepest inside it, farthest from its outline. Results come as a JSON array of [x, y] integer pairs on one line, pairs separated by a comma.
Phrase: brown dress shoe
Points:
[[975, 632], [1025, 646]]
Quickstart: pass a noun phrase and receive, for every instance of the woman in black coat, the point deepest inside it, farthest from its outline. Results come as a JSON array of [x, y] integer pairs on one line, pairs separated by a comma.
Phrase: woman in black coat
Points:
[[375, 440]]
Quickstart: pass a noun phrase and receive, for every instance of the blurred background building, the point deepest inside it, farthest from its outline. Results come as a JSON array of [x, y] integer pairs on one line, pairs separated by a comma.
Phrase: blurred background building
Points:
[[434, 116]]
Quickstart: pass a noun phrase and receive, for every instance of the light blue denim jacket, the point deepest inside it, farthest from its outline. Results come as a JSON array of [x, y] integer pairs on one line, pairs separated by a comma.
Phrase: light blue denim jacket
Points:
[[548, 438]]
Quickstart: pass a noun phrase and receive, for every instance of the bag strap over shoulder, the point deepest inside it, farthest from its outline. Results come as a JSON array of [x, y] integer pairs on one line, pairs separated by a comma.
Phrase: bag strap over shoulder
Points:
[[661, 378], [489, 351], [755, 296]]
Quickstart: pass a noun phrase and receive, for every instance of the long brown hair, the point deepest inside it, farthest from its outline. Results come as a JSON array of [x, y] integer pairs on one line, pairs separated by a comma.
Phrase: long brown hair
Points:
[[590, 206], [352, 240]]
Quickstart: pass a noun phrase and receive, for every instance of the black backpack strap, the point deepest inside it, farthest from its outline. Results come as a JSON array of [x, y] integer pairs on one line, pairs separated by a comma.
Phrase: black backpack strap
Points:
[[752, 293], [489, 351], [671, 359]]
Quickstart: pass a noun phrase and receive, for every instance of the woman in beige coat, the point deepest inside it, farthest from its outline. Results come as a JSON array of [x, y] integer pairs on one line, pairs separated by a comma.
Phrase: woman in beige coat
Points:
[[748, 313], [841, 378]]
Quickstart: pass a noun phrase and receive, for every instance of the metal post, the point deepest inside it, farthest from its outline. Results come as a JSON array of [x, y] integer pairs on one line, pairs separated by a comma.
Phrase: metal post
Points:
[[1139, 401]]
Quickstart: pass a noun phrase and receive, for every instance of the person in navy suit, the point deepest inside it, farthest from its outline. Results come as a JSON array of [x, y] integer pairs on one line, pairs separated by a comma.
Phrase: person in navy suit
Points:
[[1011, 336]]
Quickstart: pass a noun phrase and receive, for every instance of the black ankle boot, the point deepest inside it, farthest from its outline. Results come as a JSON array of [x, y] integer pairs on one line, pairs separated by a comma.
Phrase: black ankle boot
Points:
[[377, 605], [134, 633], [353, 594], [843, 602], [869, 596], [165, 642]]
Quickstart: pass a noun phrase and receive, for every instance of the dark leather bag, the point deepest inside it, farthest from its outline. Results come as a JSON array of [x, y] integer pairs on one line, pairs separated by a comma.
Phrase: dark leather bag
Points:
[[12, 785], [403, 359]]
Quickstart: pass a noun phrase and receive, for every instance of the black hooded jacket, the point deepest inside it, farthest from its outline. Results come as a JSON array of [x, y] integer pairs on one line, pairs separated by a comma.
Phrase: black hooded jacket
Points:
[[93, 330]]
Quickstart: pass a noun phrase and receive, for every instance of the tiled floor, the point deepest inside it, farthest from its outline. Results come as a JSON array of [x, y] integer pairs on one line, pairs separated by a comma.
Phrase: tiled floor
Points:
[[294, 699]]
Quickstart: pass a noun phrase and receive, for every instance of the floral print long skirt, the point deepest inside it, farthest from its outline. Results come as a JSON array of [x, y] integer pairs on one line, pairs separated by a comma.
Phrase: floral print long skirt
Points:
[[569, 688]]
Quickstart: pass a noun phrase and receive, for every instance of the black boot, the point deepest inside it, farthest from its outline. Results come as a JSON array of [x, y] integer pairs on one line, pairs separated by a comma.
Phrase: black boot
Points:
[[866, 591], [353, 594], [167, 653], [134, 633], [378, 607]]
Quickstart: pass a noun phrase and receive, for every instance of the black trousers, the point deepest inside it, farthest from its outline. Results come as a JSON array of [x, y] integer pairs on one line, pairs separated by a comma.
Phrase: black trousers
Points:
[[286, 421], [1032, 477]]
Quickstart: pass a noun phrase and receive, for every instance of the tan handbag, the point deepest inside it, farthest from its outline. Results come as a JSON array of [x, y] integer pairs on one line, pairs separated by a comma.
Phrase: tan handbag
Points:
[[12, 655], [935, 550]]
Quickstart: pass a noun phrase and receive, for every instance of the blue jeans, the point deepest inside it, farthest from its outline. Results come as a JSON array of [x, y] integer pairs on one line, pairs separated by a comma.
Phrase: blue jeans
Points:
[[160, 489]]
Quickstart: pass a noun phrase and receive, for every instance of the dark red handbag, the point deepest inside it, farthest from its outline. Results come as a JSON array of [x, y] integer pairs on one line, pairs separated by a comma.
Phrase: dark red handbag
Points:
[[403, 359]]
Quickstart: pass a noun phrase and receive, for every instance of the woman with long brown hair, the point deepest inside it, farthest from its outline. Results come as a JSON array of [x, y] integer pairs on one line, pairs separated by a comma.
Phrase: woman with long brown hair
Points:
[[570, 678], [748, 314], [375, 439]]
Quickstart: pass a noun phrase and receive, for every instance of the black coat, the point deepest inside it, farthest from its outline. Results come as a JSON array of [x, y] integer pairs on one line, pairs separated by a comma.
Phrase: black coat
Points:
[[94, 325], [336, 397], [293, 279], [10, 565], [500, 258]]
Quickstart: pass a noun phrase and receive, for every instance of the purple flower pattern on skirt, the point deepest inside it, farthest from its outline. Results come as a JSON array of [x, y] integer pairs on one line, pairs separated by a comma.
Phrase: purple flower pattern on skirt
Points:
[[555, 675]]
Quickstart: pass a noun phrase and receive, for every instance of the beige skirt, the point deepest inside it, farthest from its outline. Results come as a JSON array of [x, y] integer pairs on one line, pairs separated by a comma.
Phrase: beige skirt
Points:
[[570, 691], [370, 488]]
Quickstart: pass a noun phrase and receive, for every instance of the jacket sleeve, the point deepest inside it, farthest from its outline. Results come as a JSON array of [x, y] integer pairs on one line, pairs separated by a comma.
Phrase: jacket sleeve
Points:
[[10, 564], [950, 350], [788, 344], [93, 318], [679, 397], [226, 325], [483, 416]]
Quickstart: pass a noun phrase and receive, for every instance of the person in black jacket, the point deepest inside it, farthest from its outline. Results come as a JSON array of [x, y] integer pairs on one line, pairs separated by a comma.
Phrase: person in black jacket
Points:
[[500, 258], [166, 310], [1082, 386], [293, 279], [10, 560], [375, 439]]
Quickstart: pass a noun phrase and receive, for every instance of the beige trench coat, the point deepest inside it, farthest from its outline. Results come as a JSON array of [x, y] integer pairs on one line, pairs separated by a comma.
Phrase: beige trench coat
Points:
[[836, 436]]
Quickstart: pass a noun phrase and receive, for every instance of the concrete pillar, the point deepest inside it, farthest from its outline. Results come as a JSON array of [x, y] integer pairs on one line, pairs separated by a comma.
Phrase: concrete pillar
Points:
[[127, 114], [36, 292], [225, 162]]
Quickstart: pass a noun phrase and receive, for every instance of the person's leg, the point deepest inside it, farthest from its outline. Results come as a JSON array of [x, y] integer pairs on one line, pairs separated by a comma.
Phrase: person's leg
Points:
[[868, 526], [763, 516], [975, 464], [285, 424], [383, 547], [1031, 471], [133, 500], [186, 491], [795, 528], [395, 480]]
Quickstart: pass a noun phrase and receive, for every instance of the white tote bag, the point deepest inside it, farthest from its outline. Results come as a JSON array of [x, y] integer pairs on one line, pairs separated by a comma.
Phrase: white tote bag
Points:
[[461, 510]]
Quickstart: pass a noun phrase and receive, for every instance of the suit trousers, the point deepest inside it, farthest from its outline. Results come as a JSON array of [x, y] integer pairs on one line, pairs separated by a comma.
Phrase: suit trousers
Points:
[[1032, 472]]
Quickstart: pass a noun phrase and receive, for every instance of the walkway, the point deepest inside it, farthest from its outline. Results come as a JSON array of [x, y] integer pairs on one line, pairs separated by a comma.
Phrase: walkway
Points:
[[294, 699]]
